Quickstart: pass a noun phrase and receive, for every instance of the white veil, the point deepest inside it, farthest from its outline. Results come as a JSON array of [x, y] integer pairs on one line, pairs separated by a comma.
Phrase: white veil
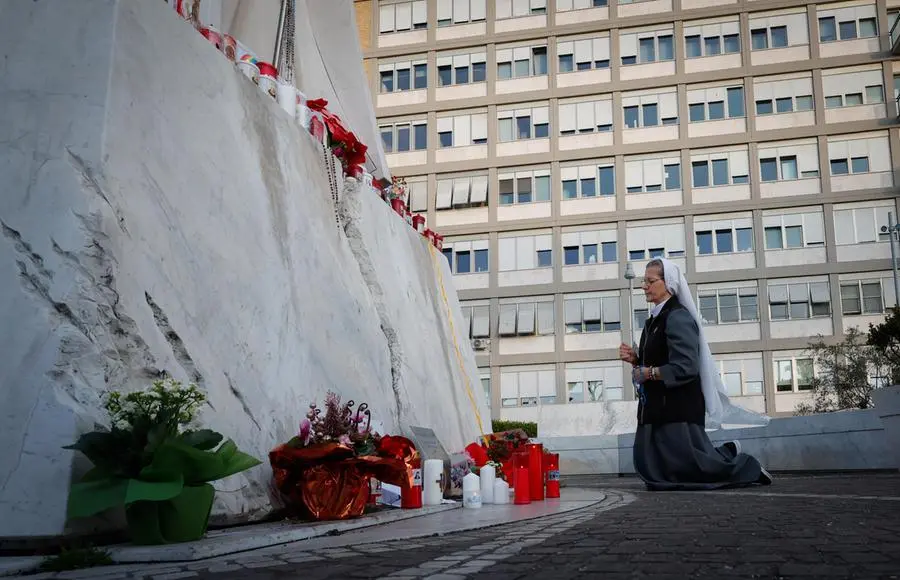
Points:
[[719, 408]]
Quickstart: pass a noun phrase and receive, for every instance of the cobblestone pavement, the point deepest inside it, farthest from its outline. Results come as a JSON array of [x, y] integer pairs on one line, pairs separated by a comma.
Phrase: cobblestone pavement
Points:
[[803, 527]]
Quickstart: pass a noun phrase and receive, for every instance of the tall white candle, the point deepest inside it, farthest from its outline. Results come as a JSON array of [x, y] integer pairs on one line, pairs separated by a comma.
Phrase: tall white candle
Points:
[[488, 476], [433, 473]]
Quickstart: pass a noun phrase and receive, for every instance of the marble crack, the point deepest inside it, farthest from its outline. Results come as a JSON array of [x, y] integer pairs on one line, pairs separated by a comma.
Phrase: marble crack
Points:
[[26, 250], [91, 182], [348, 210], [237, 395], [175, 343]]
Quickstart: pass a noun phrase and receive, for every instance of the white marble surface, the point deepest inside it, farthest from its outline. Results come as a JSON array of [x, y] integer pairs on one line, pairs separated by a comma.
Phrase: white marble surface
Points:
[[160, 214]]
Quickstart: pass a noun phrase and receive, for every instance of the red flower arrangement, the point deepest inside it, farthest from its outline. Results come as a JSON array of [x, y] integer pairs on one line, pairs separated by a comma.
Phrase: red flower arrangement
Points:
[[323, 472], [344, 144]]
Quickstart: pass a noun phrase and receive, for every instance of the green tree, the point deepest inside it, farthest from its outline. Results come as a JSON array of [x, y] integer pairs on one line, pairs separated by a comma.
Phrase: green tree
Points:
[[885, 339], [841, 380]]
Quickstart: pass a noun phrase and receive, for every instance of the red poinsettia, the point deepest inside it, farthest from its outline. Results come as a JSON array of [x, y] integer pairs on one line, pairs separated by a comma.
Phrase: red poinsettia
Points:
[[345, 145]]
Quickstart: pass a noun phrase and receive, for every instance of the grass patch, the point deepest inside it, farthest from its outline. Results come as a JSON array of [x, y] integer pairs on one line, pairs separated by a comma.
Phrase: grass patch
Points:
[[76, 559]]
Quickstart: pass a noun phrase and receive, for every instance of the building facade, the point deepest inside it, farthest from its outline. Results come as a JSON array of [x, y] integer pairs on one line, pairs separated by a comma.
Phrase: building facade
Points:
[[754, 142]]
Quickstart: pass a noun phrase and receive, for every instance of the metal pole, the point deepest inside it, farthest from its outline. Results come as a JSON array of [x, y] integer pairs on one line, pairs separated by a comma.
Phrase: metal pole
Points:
[[892, 230], [279, 32]]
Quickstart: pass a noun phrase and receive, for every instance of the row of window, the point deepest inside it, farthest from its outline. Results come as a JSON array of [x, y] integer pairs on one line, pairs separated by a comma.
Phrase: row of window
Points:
[[781, 161], [713, 235], [737, 303], [766, 32], [640, 110]]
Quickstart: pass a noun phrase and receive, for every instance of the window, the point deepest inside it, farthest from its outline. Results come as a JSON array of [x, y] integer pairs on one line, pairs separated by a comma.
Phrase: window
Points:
[[795, 374], [525, 187], [585, 117], [568, 5], [724, 236], [462, 192], [462, 130], [650, 175], [655, 239], [779, 31], [867, 297], [589, 247], [461, 69], [789, 162], [593, 382], [418, 193], [712, 39], [647, 47], [855, 224], [862, 155], [588, 181], [592, 313], [450, 12], [403, 76], [715, 104], [728, 305], [790, 95], [522, 124], [847, 89], [521, 62], [650, 110], [530, 318], [402, 17], [476, 317], [519, 8], [799, 300], [792, 231], [719, 169], [527, 386], [848, 23], [583, 54], [402, 137], [525, 252], [468, 257]]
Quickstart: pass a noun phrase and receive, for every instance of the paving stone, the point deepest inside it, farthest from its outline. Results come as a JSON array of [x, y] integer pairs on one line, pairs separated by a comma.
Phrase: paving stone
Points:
[[175, 575]]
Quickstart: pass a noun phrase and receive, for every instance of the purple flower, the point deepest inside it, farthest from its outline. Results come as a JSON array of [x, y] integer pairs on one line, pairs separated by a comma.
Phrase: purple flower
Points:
[[305, 427], [345, 440]]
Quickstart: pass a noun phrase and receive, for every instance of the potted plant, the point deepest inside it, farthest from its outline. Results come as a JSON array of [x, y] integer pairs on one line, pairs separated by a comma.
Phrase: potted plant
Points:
[[323, 472], [150, 463]]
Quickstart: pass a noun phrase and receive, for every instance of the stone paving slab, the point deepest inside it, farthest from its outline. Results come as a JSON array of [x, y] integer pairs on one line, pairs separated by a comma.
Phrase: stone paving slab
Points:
[[842, 526]]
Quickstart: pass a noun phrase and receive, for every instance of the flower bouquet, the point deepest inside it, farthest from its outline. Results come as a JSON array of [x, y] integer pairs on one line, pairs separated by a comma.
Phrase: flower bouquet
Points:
[[344, 144], [323, 472], [501, 448], [153, 467]]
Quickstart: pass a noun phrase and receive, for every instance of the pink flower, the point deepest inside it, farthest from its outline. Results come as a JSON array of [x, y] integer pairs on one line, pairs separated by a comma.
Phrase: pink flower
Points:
[[345, 440], [305, 427]]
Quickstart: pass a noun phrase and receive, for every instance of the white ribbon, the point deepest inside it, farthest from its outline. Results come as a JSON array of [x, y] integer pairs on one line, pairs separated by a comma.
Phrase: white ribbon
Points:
[[719, 408]]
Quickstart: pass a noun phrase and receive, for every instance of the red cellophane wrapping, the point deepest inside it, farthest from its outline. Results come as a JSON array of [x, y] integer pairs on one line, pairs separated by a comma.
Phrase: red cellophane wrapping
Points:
[[328, 482]]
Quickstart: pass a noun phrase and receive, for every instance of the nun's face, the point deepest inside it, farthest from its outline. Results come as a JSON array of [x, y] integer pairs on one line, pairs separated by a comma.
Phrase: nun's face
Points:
[[654, 285]]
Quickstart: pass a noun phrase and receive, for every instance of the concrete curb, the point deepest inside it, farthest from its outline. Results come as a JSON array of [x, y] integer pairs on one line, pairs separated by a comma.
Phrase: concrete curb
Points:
[[234, 540]]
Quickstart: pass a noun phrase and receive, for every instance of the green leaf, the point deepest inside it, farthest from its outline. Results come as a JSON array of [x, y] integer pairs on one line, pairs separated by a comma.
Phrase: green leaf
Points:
[[204, 439], [89, 498], [239, 462], [105, 449], [227, 450]]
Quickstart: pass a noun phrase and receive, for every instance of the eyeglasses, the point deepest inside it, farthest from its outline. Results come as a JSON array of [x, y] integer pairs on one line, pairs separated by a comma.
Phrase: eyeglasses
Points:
[[649, 281]]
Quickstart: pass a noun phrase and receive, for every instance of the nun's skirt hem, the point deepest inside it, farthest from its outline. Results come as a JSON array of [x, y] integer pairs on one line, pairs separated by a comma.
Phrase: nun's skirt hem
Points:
[[680, 456]]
